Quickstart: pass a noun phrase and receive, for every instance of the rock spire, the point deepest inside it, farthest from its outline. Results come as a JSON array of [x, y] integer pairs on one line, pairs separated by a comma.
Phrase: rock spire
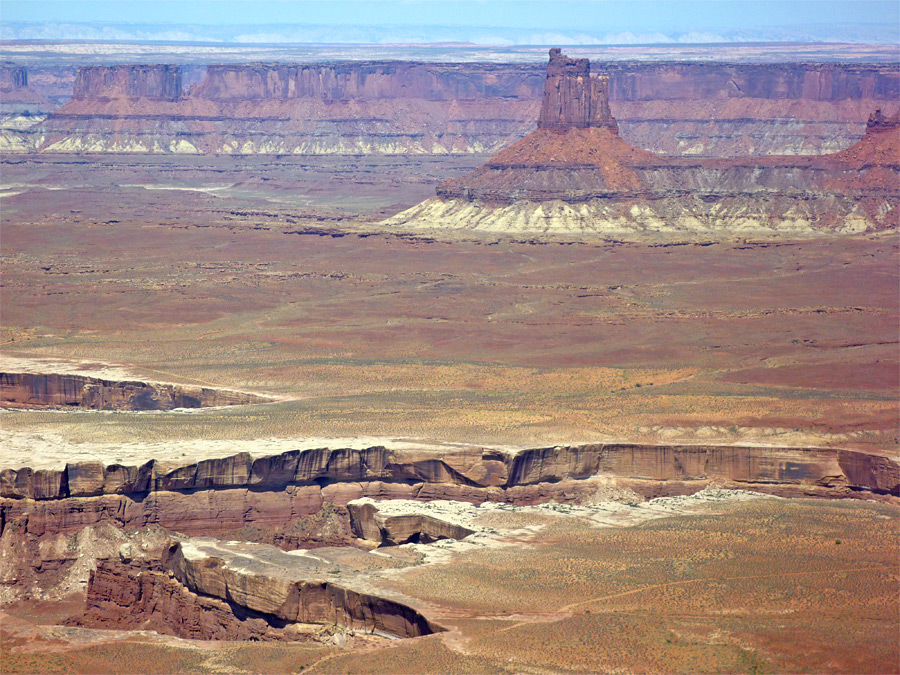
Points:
[[573, 97]]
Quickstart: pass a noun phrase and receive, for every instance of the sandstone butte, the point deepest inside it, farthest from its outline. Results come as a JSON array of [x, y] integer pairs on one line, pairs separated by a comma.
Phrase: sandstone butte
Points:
[[575, 174]]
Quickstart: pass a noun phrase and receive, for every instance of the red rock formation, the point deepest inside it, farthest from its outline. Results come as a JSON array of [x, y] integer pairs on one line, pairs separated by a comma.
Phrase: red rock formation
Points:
[[704, 81], [366, 81], [573, 97], [297, 499], [12, 77], [393, 530], [222, 494], [205, 597], [594, 167], [390, 107], [33, 390], [161, 82], [135, 597]]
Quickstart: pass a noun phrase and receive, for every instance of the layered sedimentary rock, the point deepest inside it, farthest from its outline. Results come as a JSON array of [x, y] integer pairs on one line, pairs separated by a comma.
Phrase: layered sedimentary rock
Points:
[[731, 110], [367, 81], [135, 597], [386, 108], [12, 77], [370, 521], [204, 589], [160, 82], [392, 107], [41, 390], [573, 97], [55, 523], [570, 176], [24, 103], [353, 471]]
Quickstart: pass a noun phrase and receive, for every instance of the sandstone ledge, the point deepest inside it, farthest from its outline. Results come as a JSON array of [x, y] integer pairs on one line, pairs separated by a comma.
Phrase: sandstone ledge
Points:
[[385, 525], [206, 589], [49, 390], [473, 469]]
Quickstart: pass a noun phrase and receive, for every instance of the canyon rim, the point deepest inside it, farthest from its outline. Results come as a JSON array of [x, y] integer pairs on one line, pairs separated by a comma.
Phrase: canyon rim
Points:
[[448, 358]]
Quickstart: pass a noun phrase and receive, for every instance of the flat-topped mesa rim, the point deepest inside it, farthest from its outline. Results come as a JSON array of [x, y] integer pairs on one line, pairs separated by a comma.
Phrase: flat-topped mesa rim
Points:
[[700, 109]]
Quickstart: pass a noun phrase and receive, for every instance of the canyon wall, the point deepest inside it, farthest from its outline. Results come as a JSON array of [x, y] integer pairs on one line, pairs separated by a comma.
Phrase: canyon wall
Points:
[[33, 390], [54, 524], [12, 77], [159, 82], [204, 598], [365, 81], [700, 109], [327, 469]]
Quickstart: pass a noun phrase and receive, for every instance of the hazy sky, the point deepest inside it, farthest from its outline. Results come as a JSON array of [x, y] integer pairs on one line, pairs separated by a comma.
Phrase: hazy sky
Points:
[[634, 15]]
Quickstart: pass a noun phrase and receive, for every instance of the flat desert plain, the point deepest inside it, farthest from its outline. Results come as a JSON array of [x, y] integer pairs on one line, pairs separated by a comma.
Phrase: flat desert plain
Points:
[[274, 276]]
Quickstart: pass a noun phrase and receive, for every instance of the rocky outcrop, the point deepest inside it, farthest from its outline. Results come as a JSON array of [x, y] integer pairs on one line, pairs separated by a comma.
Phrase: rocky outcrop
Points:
[[699, 109], [19, 105], [40, 390], [35, 87], [12, 77], [569, 177], [208, 590], [159, 82], [287, 587], [573, 97], [139, 597], [467, 469], [301, 480], [368, 522]]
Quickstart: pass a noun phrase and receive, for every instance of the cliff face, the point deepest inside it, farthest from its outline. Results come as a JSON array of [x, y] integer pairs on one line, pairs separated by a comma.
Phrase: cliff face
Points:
[[358, 108], [62, 390], [203, 590], [133, 597], [55, 523], [12, 77], [572, 177], [464, 470], [367, 81], [159, 82], [700, 81], [392, 107], [573, 97]]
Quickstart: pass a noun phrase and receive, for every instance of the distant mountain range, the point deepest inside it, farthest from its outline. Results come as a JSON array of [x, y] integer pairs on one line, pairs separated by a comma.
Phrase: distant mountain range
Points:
[[386, 34]]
